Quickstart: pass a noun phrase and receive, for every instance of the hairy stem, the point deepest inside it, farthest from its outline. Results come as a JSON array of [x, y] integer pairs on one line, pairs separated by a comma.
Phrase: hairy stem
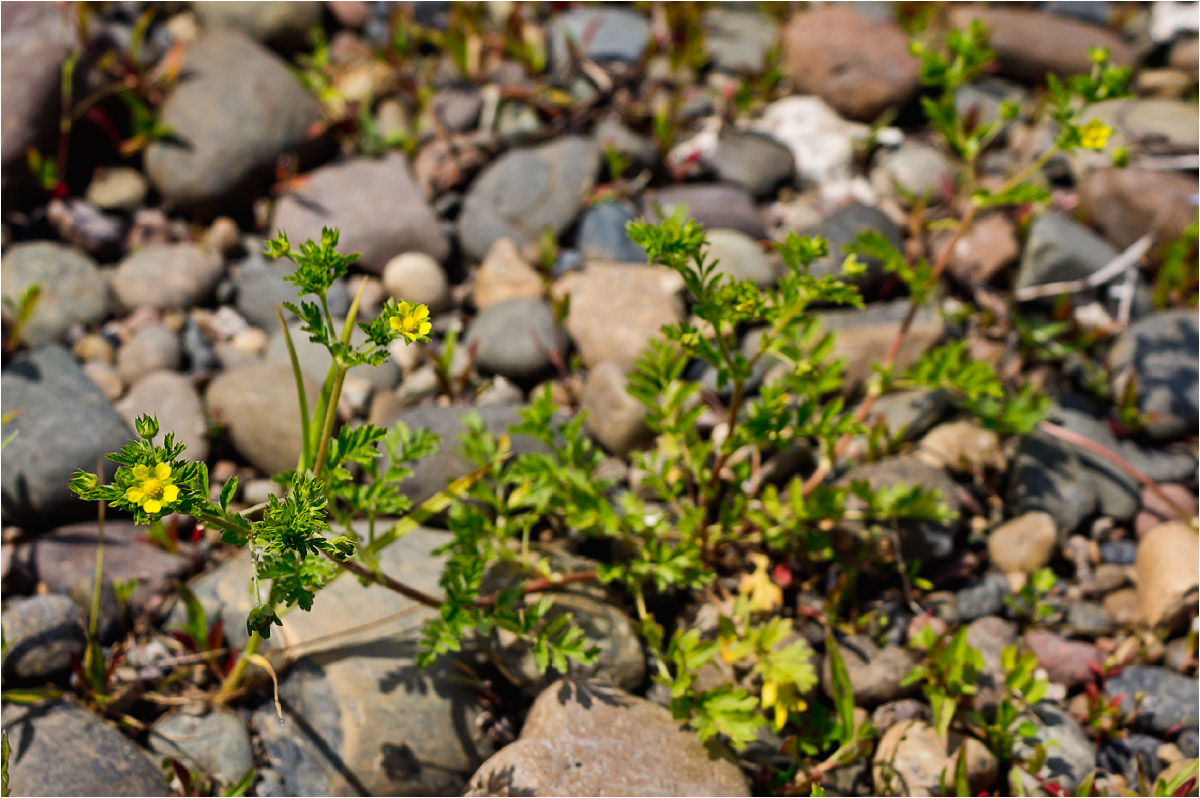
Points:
[[234, 679]]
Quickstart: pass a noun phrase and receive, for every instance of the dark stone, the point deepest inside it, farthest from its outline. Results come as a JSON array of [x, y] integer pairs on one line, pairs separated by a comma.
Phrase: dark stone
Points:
[[65, 423], [602, 234], [713, 205], [1169, 699], [840, 228], [40, 635]]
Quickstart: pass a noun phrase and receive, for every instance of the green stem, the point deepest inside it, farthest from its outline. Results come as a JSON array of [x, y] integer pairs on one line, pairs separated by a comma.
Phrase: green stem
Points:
[[234, 679], [330, 418], [306, 450]]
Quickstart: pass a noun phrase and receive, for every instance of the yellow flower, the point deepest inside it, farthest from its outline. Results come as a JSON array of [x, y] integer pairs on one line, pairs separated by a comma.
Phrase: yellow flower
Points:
[[1094, 135], [411, 321], [154, 490]]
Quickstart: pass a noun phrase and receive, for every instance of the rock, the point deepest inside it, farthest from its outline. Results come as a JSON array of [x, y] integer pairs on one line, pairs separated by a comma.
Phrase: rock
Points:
[[375, 203], [913, 172], [864, 336], [1159, 353], [40, 636], [740, 257], [754, 161], [1058, 250], [284, 25], [986, 250], [65, 423], [584, 738], [1125, 608], [435, 471], [1185, 54], [216, 744], [261, 286], [1029, 45], [505, 275], [602, 234], [923, 540], [1045, 476], [1133, 756], [110, 620], [737, 40], [152, 348], [35, 41], [908, 414], [1127, 203], [315, 361], [614, 418], [611, 133], [66, 749], [174, 401], [962, 446], [985, 597], [526, 191], [1023, 544], [913, 759], [167, 277], [117, 188], [840, 228], [1168, 699], [713, 205], [458, 107], [1089, 619], [859, 65], [1067, 662], [62, 557], [875, 673], [218, 161], [516, 338], [1167, 577], [85, 226], [616, 309], [821, 143], [1069, 761], [416, 277], [259, 406], [620, 662], [73, 290], [426, 725], [602, 34]]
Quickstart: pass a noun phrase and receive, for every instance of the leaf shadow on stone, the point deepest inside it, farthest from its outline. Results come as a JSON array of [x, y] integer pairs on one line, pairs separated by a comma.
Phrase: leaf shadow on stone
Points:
[[584, 693], [318, 742], [500, 782], [22, 738]]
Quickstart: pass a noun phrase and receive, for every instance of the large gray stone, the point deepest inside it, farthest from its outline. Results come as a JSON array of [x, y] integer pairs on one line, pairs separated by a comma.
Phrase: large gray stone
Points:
[[283, 24], [167, 276], [259, 405], [516, 339], [585, 738], [526, 191], [73, 290], [236, 110], [1058, 249], [1070, 759], [173, 399], [41, 635], [1168, 699], [217, 744], [65, 749], [1159, 354], [840, 228], [65, 423], [375, 203], [602, 34], [711, 204]]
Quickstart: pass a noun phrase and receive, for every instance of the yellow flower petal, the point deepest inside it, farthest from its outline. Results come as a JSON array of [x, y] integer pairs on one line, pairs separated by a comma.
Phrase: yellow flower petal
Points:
[[162, 471], [152, 506], [170, 494], [141, 472], [425, 328], [396, 323], [135, 494]]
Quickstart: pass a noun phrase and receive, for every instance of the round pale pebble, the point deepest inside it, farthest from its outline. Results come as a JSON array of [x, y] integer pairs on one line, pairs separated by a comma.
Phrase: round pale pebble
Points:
[[417, 277]]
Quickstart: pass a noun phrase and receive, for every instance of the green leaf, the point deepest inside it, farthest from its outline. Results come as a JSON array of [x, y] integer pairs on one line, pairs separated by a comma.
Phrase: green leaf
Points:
[[242, 786], [961, 785], [843, 691], [227, 491]]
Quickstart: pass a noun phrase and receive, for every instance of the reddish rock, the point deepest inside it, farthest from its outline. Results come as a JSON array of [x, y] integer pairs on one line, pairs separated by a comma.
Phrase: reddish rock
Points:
[[1066, 661], [1125, 204], [1029, 44], [983, 252], [859, 65]]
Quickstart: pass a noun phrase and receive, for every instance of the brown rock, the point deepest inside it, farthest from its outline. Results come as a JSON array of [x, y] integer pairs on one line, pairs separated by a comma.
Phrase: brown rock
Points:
[[505, 275], [983, 252], [1167, 578], [859, 65], [1185, 55], [1125, 607], [1023, 544], [617, 309], [864, 337], [962, 446], [1066, 661], [614, 417], [912, 759], [1030, 44], [1128, 203], [259, 405], [875, 673], [584, 738]]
